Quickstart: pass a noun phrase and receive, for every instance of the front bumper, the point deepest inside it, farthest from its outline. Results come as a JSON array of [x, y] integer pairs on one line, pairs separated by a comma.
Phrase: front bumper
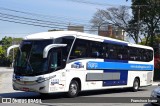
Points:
[[36, 87]]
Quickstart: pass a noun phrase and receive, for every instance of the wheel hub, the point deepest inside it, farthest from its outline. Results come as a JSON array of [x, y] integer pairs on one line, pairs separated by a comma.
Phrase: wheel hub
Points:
[[73, 89]]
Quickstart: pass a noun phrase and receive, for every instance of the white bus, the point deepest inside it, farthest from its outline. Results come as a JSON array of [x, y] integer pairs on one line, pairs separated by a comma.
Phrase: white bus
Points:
[[69, 61]]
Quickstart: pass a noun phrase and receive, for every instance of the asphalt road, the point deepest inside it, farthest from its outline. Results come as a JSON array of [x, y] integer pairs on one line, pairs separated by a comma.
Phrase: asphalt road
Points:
[[113, 97]]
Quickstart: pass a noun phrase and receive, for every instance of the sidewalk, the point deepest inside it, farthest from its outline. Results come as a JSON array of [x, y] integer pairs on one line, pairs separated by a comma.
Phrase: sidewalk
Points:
[[6, 69], [155, 83]]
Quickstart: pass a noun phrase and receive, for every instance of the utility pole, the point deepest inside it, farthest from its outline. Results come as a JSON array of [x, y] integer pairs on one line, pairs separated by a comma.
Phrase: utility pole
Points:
[[13, 53], [98, 29], [138, 20], [138, 24]]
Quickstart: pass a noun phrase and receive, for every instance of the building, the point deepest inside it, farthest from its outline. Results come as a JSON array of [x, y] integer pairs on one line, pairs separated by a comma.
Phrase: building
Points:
[[111, 31], [76, 28]]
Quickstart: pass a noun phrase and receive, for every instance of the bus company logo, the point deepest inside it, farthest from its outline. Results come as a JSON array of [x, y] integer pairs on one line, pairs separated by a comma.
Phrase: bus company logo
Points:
[[92, 65], [77, 65]]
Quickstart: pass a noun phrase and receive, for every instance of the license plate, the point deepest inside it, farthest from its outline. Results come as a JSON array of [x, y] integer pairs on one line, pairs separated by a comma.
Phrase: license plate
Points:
[[25, 89]]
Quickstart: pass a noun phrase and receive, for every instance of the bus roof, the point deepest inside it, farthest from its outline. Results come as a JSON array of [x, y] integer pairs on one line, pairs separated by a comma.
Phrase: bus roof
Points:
[[56, 34]]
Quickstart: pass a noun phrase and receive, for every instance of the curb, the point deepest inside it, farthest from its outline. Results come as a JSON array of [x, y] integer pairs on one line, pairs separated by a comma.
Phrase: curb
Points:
[[155, 83]]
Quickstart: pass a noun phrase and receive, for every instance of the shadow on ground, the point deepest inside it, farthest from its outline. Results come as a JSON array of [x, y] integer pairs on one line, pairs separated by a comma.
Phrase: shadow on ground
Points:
[[149, 104], [62, 98]]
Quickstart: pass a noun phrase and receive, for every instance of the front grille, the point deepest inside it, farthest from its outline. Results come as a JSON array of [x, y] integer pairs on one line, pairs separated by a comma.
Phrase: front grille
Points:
[[26, 82]]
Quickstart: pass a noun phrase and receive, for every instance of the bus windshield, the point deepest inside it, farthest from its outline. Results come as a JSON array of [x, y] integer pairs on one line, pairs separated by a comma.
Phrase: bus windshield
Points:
[[30, 59]]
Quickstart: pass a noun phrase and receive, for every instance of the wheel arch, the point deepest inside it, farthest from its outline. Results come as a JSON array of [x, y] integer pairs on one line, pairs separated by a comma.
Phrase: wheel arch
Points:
[[78, 81]]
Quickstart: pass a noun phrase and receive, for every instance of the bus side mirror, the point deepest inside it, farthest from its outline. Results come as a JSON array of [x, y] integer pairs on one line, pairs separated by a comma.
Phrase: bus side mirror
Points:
[[11, 47], [49, 47]]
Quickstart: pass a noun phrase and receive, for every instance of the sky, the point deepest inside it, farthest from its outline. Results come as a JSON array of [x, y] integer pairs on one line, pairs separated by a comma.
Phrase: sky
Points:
[[60, 13]]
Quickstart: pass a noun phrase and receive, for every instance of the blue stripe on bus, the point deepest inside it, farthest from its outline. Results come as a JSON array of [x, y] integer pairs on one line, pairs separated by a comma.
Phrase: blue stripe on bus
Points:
[[115, 42], [123, 74], [118, 66]]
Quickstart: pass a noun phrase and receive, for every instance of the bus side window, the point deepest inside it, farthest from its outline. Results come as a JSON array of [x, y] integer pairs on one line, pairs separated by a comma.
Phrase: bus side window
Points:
[[112, 52], [119, 52], [148, 55], [56, 59], [79, 49], [141, 55], [125, 52], [65, 40], [136, 54], [144, 58], [96, 49], [105, 50], [132, 54], [53, 60]]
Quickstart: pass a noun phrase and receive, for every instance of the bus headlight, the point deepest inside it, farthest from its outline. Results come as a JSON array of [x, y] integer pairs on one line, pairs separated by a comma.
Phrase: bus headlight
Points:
[[40, 79]]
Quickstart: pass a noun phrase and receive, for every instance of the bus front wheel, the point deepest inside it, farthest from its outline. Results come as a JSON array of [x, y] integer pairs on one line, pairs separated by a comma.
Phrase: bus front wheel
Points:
[[73, 89], [136, 84]]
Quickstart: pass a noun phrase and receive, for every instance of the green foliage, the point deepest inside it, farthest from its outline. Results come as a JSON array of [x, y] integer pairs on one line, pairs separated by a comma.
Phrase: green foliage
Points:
[[156, 42], [146, 19], [1, 52], [5, 43]]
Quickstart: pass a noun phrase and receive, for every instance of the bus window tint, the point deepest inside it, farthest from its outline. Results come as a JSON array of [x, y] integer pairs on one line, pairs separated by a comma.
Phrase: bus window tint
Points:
[[132, 54], [65, 40], [79, 49], [112, 52], [105, 50], [122, 52], [96, 49], [140, 54], [148, 55], [92, 49]]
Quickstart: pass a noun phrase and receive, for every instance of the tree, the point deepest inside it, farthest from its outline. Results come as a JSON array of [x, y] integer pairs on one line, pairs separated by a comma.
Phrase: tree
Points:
[[115, 16], [5, 43], [146, 18], [119, 17], [1, 52]]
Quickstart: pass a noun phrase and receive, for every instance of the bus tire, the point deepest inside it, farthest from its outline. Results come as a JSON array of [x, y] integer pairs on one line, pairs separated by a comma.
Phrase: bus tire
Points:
[[73, 89], [136, 84]]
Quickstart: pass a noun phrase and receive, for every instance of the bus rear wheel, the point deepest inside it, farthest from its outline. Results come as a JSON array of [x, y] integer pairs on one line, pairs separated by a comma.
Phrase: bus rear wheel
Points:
[[136, 84], [73, 89]]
